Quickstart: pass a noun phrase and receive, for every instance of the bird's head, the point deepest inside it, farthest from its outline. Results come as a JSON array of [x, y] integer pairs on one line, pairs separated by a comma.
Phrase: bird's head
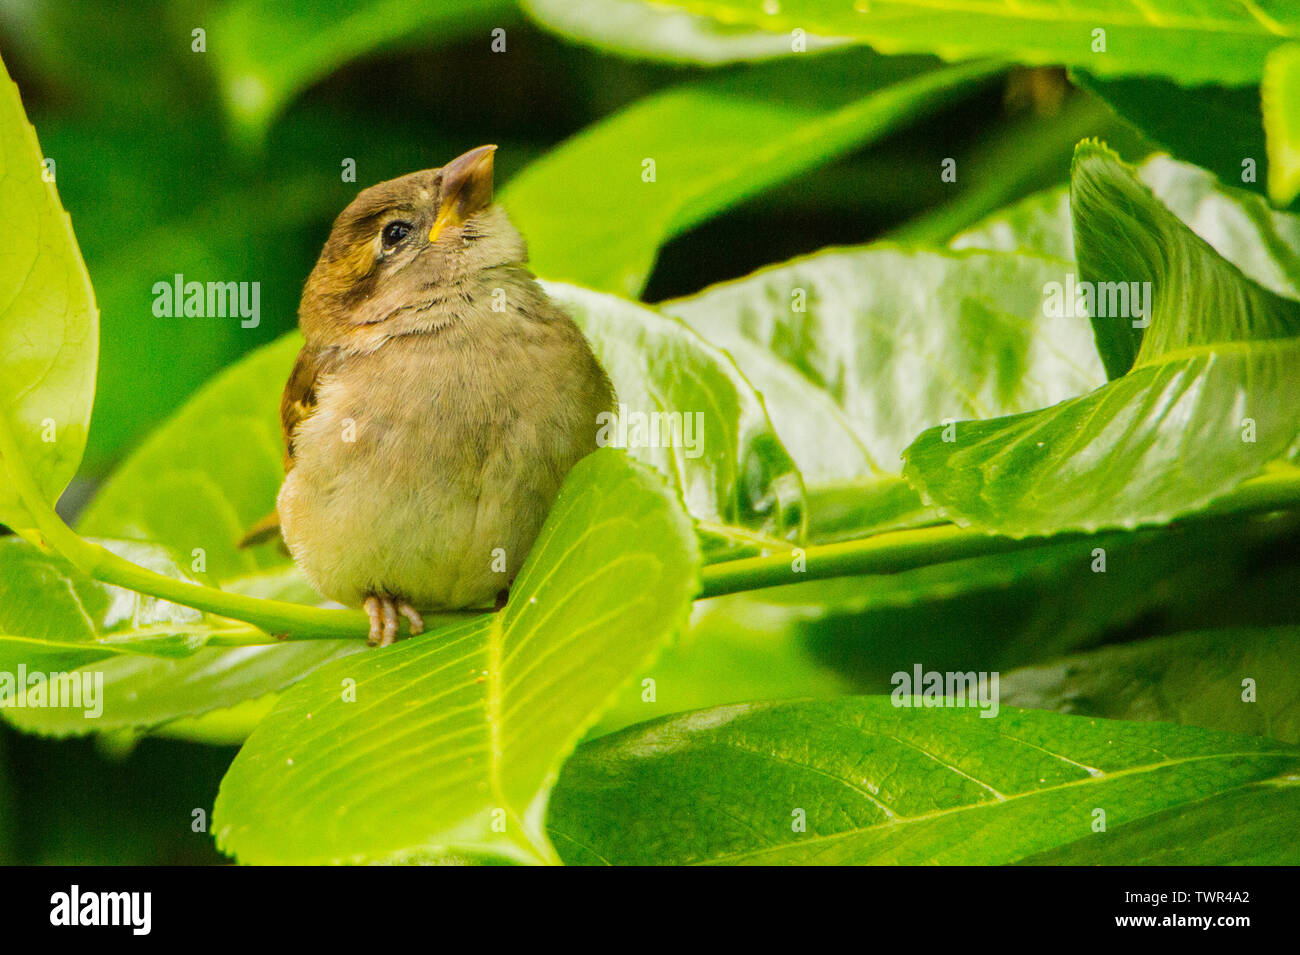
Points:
[[399, 255]]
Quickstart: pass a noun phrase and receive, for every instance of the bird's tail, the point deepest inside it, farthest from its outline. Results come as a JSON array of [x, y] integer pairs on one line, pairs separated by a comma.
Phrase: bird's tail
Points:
[[267, 529]]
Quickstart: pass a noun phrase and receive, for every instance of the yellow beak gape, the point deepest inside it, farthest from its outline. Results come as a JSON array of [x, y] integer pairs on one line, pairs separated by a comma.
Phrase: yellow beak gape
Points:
[[466, 188], [445, 217]]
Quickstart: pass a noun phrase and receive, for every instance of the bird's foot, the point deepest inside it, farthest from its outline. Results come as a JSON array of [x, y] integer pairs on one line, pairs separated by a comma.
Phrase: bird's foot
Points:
[[383, 611]]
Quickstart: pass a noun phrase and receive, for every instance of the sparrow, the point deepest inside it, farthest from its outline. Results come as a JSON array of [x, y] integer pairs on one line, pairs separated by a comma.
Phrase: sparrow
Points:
[[439, 400]]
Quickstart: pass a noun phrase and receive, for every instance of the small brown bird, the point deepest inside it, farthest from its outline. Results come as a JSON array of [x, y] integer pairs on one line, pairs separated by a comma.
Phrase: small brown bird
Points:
[[436, 406]]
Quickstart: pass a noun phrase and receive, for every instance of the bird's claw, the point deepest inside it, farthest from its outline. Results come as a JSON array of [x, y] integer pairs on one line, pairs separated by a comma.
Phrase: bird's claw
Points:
[[412, 617], [383, 612]]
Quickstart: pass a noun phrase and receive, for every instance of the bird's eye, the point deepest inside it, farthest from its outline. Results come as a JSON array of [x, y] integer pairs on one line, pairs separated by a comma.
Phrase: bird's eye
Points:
[[394, 233]]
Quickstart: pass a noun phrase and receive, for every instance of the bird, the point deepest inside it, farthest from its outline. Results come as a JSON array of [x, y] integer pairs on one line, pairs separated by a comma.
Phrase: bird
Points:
[[438, 401]]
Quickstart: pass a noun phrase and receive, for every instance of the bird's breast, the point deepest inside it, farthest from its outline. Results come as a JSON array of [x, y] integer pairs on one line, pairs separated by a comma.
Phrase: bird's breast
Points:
[[428, 466]]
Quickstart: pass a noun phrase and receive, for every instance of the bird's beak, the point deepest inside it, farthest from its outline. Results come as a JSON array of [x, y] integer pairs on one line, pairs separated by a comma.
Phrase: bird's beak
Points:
[[466, 188]]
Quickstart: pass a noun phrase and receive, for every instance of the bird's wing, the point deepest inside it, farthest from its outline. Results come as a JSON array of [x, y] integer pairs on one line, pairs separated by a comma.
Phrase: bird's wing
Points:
[[299, 399], [297, 402]]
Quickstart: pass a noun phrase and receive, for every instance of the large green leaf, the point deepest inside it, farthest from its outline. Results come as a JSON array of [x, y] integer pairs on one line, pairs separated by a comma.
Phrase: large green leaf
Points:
[[591, 216], [141, 692], [737, 473], [1219, 43], [1231, 829], [1124, 234], [48, 322], [643, 30], [267, 52], [874, 783], [893, 340], [812, 427], [1197, 679], [1208, 404], [1280, 93], [1163, 441], [455, 738]]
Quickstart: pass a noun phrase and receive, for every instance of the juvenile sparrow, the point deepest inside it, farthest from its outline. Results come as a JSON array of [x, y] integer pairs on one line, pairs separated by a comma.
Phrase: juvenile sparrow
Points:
[[436, 406]]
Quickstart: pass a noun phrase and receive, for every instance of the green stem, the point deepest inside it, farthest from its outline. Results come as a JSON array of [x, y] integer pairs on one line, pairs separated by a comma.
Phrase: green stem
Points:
[[896, 551], [886, 553]]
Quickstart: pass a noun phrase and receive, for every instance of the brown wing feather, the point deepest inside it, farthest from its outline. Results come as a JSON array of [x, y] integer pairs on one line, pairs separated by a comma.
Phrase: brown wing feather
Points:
[[297, 402], [299, 399]]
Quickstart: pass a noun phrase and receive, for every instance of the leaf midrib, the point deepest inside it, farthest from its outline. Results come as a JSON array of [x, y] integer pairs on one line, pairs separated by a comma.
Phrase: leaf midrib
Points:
[[1190, 353]]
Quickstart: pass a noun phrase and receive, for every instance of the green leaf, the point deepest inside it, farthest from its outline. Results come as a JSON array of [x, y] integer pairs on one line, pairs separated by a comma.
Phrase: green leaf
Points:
[[1196, 679], [1125, 235], [1231, 829], [645, 31], [1280, 95], [1208, 404], [1163, 441], [729, 466], [592, 216], [879, 784], [267, 52], [49, 328], [1160, 38], [885, 341], [459, 729], [140, 692]]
